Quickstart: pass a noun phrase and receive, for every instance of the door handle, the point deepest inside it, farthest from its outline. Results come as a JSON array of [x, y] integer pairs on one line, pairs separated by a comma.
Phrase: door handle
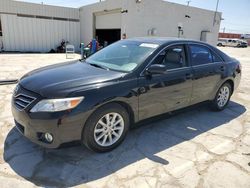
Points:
[[222, 68], [189, 76]]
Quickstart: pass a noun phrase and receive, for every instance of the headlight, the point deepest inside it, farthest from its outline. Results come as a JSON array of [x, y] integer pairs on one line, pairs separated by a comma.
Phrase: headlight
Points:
[[56, 105]]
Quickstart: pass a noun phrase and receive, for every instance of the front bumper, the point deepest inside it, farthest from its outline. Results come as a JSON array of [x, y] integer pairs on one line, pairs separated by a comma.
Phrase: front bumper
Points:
[[65, 127]]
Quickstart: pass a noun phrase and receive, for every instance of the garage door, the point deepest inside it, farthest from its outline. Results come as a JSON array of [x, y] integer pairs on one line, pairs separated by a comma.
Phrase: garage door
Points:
[[108, 21]]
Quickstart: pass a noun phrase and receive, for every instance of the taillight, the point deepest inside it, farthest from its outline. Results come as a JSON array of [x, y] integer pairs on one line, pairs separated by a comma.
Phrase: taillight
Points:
[[239, 68]]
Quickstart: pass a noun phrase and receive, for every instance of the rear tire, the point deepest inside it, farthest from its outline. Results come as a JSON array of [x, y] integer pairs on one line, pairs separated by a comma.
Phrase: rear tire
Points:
[[222, 97], [106, 128]]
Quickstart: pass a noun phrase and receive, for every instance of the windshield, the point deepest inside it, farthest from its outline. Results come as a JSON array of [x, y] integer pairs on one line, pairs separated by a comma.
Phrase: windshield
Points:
[[122, 56]]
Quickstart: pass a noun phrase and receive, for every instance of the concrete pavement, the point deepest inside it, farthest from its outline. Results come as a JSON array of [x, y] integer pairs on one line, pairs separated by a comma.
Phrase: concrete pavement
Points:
[[193, 148]]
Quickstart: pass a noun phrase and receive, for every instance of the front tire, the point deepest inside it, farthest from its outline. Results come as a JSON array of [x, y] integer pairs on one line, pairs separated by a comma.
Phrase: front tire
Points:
[[222, 97], [106, 128]]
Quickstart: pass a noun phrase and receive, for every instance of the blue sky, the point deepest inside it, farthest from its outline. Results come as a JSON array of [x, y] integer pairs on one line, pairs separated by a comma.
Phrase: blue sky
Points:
[[236, 13]]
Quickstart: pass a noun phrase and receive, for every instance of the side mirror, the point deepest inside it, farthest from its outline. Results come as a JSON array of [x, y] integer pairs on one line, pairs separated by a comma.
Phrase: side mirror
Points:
[[156, 69]]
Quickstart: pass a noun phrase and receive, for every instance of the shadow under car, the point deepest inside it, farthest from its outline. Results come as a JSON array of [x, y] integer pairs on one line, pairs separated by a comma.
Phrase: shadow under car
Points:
[[72, 166]]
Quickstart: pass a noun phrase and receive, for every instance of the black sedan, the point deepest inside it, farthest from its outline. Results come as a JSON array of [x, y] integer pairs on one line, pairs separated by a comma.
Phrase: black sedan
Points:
[[96, 100]]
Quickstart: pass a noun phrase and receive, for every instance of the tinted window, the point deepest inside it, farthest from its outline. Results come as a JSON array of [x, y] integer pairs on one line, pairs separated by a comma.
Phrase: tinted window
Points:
[[216, 58], [173, 57], [200, 55]]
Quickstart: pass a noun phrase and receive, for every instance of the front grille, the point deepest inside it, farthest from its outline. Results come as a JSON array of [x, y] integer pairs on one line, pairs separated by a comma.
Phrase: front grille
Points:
[[22, 101]]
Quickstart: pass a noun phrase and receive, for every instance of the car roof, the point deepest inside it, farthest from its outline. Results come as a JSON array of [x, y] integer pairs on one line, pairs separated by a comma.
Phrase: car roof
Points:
[[162, 40], [168, 40]]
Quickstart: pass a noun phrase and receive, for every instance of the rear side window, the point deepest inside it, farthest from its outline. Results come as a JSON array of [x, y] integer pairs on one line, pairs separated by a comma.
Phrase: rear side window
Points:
[[200, 55], [216, 58]]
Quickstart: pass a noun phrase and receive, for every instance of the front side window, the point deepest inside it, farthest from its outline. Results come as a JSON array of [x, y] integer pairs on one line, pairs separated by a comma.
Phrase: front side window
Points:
[[123, 56], [173, 57], [200, 55]]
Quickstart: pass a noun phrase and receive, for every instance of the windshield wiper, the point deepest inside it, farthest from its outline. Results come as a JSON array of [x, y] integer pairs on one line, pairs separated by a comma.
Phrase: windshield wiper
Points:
[[98, 66]]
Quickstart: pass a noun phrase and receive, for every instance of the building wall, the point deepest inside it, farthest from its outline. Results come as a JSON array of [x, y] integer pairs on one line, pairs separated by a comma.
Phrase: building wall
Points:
[[87, 17], [16, 7], [229, 35], [34, 27], [161, 16], [37, 35]]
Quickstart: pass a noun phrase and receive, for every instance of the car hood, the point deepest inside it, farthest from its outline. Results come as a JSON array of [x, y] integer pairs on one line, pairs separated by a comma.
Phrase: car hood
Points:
[[62, 79]]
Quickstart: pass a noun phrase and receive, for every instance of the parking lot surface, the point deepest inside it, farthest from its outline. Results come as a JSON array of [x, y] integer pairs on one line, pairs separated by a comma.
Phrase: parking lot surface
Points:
[[193, 148]]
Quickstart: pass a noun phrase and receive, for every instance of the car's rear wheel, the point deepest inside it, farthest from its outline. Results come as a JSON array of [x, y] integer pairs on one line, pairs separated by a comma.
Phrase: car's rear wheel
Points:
[[222, 97], [106, 128]]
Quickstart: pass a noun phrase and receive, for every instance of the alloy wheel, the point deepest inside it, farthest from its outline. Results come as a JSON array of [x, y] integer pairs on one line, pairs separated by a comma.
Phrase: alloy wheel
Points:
[[109, 129], [223, 96]]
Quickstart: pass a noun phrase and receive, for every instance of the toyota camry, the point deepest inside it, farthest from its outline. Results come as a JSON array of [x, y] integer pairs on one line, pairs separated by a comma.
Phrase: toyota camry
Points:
[[96, 100]]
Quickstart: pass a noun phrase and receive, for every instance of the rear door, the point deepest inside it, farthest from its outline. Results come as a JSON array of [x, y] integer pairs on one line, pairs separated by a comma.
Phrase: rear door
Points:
[[208, 69]]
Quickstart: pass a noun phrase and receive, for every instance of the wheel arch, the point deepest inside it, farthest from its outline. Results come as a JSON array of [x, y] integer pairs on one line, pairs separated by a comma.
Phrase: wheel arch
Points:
[[125, 105], [228, 80], [129, 110], [231, 82], [86, 132]]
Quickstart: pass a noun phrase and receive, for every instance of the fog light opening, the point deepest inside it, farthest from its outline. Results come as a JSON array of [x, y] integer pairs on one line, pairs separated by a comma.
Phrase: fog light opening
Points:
[[48, 137]]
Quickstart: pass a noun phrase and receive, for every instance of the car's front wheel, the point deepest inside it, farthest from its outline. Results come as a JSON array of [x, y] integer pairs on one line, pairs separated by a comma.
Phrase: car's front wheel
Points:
[[106, 128], [222, 97]]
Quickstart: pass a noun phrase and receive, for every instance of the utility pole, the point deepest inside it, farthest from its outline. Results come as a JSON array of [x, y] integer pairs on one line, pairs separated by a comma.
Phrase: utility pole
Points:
[[215, 13], [224, 29]]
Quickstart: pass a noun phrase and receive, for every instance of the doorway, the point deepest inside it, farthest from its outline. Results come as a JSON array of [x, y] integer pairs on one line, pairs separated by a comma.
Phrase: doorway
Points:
[[108, 35]]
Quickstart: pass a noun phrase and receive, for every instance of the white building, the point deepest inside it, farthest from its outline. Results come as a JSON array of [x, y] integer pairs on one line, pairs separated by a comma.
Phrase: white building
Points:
[[33, 27]]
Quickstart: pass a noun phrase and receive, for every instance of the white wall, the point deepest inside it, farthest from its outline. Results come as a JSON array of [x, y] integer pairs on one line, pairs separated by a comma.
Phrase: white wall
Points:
[[103, 21], [161, 15], [32, 33], [17, 7], [41, 35], [165, 16], [87, 17]]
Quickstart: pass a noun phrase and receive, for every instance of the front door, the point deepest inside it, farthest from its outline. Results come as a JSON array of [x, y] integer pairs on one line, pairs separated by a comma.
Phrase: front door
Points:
[[161, 93]]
